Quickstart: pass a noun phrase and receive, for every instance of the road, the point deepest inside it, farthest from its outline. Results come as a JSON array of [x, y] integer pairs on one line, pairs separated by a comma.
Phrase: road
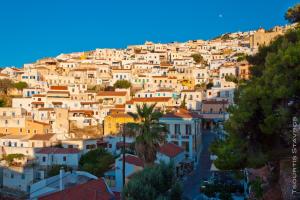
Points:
[[192, 184]]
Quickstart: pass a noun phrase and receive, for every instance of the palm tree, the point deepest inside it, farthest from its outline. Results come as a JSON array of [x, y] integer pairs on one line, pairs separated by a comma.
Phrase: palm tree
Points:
[[149, 132]]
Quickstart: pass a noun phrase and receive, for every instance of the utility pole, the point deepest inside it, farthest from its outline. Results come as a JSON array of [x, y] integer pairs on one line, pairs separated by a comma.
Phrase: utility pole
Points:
[[123, 163]]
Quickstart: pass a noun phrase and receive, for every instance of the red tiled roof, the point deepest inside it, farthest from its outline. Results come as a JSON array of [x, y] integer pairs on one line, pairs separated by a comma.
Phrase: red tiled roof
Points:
[[134, 160], [188, 90], [214, 102], [58, 92], [120, 106], [46, 109], [54, 150], [150, 99], [56, 103], [91, 190], [112, 93], [41, 137], [43, 123], [181, 113], [38, 103], [83, 111], [88, 103], [58, 87], [170, 149], [116, 115], [1, 74]]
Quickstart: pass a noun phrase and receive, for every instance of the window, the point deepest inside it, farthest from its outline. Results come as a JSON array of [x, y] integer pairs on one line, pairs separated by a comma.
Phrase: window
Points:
[[12, 175], [188, 129], [177, 128], [64, 158], [44, 159], [6, 121]]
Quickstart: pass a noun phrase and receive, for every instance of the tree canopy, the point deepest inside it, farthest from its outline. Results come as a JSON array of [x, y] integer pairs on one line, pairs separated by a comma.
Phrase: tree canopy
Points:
[[197, 58], [156, 182], [259, 123], [96, 162], [149, 132], [293, 14], [20, 85], [122, 84]]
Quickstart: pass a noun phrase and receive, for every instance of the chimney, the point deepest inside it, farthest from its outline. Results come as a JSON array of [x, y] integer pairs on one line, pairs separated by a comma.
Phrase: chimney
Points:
[[61, 175]]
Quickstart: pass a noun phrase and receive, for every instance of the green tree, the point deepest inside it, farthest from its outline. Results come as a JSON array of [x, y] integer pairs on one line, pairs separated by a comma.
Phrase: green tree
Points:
[[225, 196], [201, 86], [176, 192], [183, 103], [122, 84], [155, 182], [20, 85], [96, 162], [259, 123], [231, 78], [10, 158], [209, 85], [225, 36], [149, 132], [197, 58], [2, 103], [109, 88], [293, 14], [54, 170]]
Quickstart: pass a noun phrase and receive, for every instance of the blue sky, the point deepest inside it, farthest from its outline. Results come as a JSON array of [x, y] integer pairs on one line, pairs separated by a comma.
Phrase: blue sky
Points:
[[32, 29]]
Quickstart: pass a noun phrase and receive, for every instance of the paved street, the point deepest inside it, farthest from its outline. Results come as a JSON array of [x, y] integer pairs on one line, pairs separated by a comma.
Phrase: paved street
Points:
[[202, 171]]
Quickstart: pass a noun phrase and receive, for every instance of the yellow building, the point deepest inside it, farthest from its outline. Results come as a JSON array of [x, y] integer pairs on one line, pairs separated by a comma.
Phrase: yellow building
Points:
[[113, 122], [16, 121]]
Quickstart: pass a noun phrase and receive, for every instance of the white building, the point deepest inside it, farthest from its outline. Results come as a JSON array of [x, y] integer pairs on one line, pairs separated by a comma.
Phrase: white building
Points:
[[58, 156], [185, 131]]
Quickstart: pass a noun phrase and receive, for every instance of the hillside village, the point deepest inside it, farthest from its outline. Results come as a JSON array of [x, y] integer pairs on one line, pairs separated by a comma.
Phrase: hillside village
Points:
[[78, 102]]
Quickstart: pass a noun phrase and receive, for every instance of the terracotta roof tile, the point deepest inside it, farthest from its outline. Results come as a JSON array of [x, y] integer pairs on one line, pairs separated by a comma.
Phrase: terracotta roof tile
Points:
[[57, 87], [170, 149], [91, 190], [112, 93], [150, 99], [41, 137], [37, 103], [214, 102], [181, 113], [54, 150], [134, 160]]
